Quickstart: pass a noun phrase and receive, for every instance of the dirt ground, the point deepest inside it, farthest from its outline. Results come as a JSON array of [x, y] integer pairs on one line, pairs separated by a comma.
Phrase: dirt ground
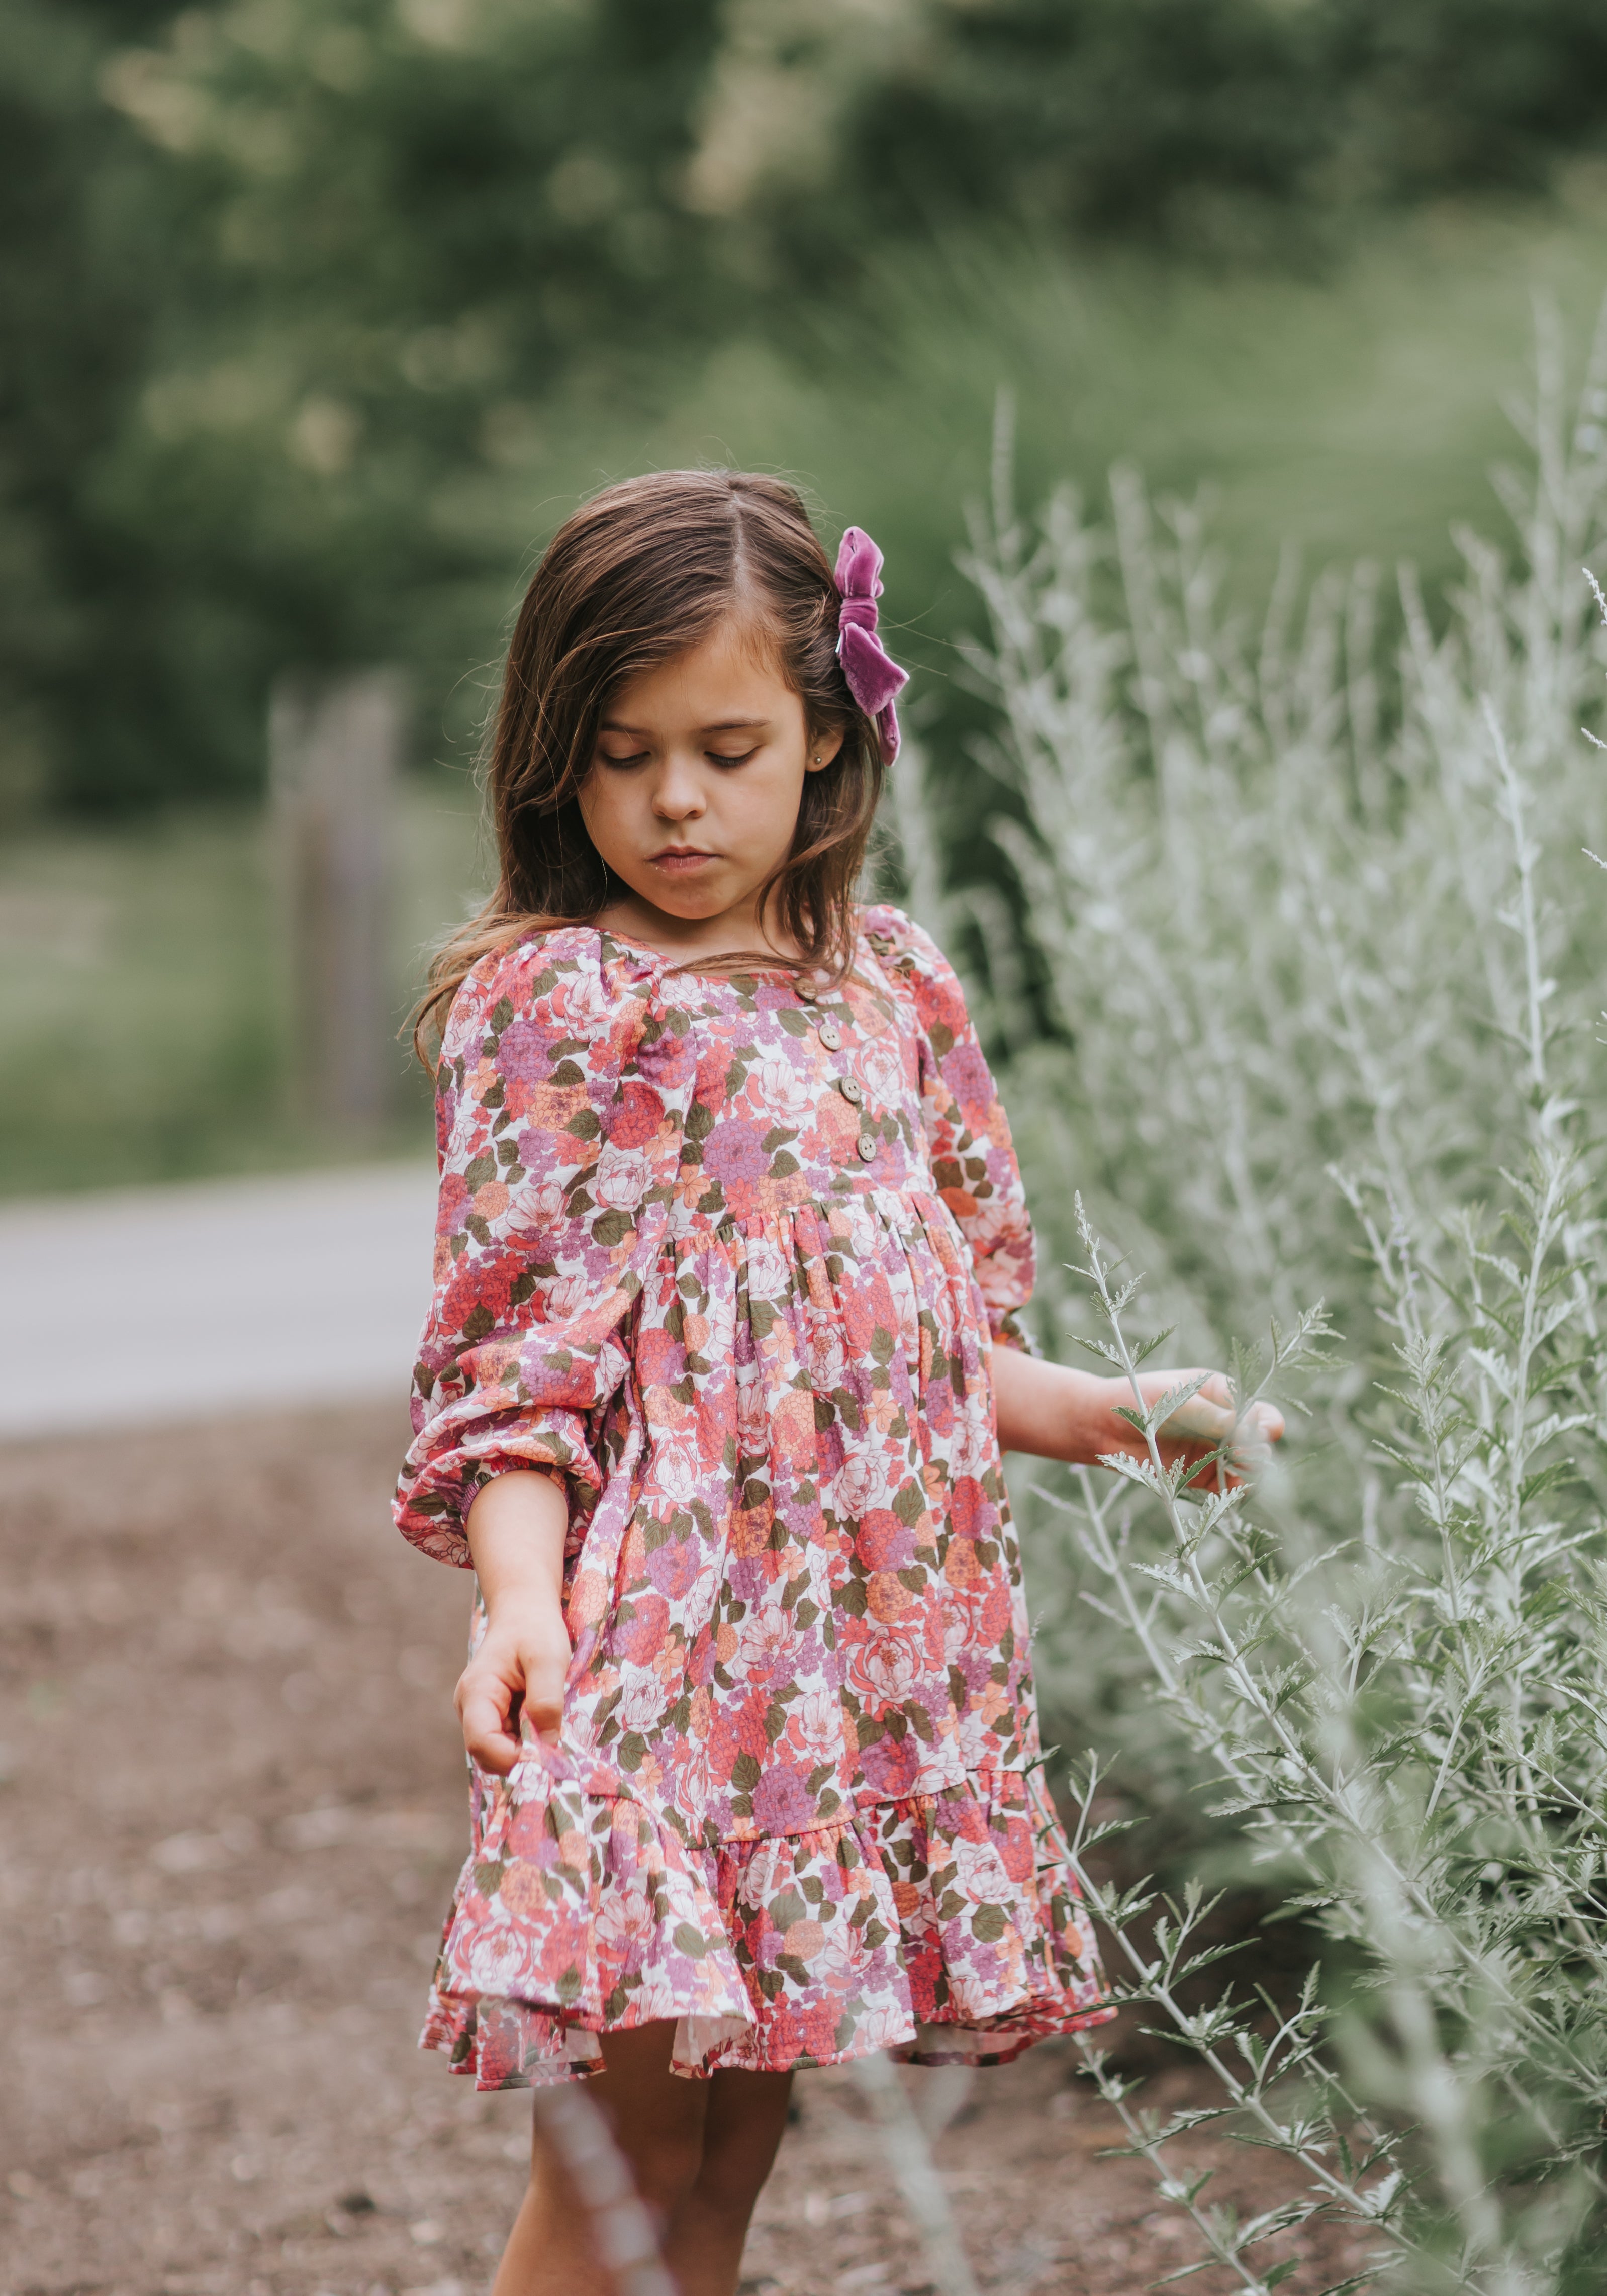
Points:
[[233, 1808]]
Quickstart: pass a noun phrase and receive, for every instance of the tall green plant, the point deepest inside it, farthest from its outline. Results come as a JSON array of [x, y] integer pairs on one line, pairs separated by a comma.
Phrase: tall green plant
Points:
[[1322, 952], [1266, 881]]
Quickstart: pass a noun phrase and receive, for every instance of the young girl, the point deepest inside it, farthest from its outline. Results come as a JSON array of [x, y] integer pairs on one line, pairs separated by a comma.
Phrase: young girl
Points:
[[722, 1359]]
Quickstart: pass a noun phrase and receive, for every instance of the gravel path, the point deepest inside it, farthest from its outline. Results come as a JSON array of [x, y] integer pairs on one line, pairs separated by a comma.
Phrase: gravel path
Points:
[[233, 1809]]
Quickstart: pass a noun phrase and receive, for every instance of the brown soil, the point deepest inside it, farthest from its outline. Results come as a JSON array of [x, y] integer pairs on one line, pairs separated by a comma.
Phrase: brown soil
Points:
[[234, 1807]]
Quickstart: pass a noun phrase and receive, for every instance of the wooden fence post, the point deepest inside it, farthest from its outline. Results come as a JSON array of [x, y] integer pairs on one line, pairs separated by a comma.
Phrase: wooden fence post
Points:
[[334, 747]]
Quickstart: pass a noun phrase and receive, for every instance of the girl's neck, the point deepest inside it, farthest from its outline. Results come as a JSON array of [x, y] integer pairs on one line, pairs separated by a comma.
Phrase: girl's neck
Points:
[[739, 932]]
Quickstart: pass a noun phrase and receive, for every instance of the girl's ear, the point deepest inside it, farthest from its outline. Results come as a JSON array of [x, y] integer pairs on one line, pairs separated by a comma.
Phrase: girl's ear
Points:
[[823, 749]]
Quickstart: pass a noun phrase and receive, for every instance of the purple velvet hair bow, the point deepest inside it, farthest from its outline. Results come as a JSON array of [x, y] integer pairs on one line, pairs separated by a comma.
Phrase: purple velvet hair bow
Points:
[[873, 677]]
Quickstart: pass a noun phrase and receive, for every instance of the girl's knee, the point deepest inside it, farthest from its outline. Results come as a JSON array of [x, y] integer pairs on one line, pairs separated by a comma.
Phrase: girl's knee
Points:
[[666, 2166], [739, 2154]]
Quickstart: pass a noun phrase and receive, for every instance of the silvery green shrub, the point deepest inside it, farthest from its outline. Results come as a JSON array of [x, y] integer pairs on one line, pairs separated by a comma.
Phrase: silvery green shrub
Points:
[[1321, 947]]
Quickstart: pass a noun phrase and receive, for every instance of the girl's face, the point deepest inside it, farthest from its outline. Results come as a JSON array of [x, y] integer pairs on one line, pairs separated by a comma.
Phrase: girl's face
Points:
[[693, 792]]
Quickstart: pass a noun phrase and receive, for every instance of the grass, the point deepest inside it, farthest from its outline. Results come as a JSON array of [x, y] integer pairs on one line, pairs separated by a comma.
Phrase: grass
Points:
[[142, 1027]]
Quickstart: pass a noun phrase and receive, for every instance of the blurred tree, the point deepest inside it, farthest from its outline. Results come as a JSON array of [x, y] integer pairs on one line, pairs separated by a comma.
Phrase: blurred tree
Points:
[[403, 226], [288, 284], [81, 620], [1216, 126]]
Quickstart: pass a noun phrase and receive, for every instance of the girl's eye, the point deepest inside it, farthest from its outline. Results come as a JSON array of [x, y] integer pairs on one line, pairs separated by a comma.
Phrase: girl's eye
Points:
[[725, 758], [630, 757]]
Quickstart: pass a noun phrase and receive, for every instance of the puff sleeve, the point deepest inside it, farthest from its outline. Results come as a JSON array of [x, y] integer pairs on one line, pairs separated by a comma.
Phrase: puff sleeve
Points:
[[973, 1160], [561, 1100]]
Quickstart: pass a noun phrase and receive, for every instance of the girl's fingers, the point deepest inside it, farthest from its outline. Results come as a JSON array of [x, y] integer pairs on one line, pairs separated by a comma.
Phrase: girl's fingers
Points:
[[1209, 1422], [545, 1673], [484, 1704], [510, 1693]]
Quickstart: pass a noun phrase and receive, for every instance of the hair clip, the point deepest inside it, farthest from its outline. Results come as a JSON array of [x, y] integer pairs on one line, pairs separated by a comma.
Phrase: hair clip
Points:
[[873, 677]]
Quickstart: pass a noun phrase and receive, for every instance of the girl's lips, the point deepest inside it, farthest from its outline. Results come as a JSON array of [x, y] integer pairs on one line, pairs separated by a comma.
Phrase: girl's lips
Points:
[[681, 862]]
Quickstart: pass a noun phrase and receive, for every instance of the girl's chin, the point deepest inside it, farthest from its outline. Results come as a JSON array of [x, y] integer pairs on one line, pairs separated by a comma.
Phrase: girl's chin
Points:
[[692, 895]]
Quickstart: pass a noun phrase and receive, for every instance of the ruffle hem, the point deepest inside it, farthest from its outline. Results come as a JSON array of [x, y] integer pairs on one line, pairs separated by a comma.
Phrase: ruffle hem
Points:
[[943, 1927]]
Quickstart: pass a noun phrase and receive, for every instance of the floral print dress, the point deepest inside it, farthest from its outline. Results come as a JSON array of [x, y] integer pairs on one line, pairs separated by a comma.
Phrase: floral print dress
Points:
[[729, 1256]]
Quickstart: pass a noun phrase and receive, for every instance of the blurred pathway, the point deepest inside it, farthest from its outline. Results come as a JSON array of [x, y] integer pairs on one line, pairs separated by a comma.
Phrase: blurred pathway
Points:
[[167, 1304]]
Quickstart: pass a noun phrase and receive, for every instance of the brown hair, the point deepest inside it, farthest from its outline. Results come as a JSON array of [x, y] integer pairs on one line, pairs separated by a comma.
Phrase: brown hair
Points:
[[644, 571]]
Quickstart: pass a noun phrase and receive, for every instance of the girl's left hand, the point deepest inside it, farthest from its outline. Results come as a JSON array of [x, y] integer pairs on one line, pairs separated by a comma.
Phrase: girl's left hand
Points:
[[1056, 1412], [1205, 1432]]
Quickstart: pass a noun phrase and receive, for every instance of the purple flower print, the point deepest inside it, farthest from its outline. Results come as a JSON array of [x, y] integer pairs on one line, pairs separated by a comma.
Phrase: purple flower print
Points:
[[735, 1152], [674, 1568], [523, 1051], [782, 1803], [889, 1765], [965, 1073]]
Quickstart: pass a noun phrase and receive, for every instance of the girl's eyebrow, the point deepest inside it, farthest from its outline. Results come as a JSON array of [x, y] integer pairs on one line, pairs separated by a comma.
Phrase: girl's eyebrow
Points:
[[721, 726]]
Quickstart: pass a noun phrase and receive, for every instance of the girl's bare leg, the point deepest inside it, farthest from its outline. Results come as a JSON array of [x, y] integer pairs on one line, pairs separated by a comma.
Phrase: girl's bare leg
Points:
[[699, 2151], [744, 2124]]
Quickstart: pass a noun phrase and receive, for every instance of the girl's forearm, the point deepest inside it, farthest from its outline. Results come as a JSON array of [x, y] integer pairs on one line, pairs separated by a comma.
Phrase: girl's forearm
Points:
[[516, 1531], [1058, 1414], [1055, 1412]]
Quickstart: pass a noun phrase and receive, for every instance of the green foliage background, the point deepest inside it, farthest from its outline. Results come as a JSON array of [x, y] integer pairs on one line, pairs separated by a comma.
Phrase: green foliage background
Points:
[[316, 315]]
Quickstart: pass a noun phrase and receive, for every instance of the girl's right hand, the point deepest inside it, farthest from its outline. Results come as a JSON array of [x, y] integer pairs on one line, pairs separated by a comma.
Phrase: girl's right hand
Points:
[[512, 1686]]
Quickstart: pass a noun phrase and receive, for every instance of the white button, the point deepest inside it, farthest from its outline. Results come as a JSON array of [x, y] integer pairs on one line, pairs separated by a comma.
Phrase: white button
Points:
[[851, 1092], [868, 1147], [830, 1036]]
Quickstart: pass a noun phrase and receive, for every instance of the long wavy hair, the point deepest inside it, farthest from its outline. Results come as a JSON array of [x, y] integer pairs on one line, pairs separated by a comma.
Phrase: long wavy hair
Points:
[[645, 570]]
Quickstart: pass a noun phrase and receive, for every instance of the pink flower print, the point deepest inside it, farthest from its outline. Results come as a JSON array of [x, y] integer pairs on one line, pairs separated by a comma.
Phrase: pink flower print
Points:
[[675, 1470], [523, 1052], [734, 1151], [620, 1178], [454, 1203], [565, 1297], [863, 1482], [815, 1726], [987, 1224], [885, 1666], [641, 1703], [504, 1957], [538, 1207], [767, 1275], [753, 1419], [635, 1117], [720, 1314], [581, 1002], [884, 1541], [980, 1873], [845, 1955], [971, 1513], [770, 1639], [860, 1230], [882, 2028], [883, 1072], [786, 1092], [965, 1073], [828, 1359], [627, 1923], [700, 1781], [659, 1357]]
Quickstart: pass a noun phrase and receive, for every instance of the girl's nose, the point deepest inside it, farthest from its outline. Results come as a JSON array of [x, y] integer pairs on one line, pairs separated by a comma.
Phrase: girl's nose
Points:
[[677, 793]]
